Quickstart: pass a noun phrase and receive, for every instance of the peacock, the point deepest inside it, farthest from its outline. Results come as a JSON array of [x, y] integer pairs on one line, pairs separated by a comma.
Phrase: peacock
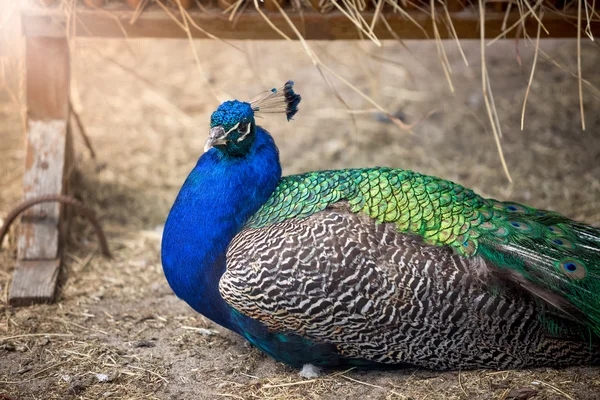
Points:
[[374, 267]]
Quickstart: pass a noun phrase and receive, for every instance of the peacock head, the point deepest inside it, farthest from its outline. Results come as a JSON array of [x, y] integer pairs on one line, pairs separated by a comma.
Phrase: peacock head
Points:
[[232, 128], [233, 125]]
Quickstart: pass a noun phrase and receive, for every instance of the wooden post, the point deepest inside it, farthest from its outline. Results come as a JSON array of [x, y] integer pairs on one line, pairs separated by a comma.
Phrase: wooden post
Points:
[[47, 170]]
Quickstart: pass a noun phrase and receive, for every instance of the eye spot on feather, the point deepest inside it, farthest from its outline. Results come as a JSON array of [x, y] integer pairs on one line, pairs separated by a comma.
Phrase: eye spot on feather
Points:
[[469, 247], [555, 229], [573, 269], [511, 207], [521, 226], [540, 214], [562, 242]]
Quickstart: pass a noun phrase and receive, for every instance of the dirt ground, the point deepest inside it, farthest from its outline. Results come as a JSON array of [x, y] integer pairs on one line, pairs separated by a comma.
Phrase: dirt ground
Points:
[[117, 330]]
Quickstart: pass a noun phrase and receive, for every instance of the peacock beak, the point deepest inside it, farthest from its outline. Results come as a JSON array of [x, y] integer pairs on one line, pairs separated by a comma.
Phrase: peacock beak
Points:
[[216, 136]]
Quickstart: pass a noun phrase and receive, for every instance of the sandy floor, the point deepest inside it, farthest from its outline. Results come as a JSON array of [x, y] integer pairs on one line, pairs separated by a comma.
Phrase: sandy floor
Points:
[[118, 332]]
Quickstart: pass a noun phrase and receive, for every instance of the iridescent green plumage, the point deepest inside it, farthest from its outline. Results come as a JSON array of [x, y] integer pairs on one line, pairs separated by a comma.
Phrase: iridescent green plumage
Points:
[[556, 259]]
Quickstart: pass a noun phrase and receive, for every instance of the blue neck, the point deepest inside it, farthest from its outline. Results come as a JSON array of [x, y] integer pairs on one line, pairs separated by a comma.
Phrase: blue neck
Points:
[[217, 198]]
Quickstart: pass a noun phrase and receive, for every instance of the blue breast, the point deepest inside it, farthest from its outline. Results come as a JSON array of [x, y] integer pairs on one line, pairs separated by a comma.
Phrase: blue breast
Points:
[[211, 208]]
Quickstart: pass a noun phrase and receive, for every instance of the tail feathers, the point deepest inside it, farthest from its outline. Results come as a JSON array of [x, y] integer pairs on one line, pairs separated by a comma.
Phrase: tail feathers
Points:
[[554, 258], [588, 233]]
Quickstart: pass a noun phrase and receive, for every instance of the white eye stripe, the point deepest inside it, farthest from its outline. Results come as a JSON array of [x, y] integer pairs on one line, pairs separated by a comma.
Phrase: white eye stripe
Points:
[[245, 133], [232, 129]]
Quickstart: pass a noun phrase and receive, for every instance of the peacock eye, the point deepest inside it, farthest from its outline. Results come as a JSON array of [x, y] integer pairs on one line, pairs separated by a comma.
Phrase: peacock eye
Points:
[[244, 129]]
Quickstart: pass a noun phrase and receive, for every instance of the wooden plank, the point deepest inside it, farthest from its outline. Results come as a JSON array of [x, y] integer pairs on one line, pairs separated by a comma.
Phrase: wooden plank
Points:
[[34, 282], [47, 164], [44, 174], [153, 22]]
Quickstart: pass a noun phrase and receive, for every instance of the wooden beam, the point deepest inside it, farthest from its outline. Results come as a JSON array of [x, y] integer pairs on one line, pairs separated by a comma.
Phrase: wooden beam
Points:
[[47, 163], [153, 22]]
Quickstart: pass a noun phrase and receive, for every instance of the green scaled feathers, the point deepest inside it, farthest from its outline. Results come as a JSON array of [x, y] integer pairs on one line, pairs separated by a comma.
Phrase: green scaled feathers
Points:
[[556, 259], [442, 212]]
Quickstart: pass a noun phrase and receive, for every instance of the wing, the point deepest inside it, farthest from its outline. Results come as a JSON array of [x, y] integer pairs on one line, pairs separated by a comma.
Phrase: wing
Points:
[[375, 293], [555, 259]]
